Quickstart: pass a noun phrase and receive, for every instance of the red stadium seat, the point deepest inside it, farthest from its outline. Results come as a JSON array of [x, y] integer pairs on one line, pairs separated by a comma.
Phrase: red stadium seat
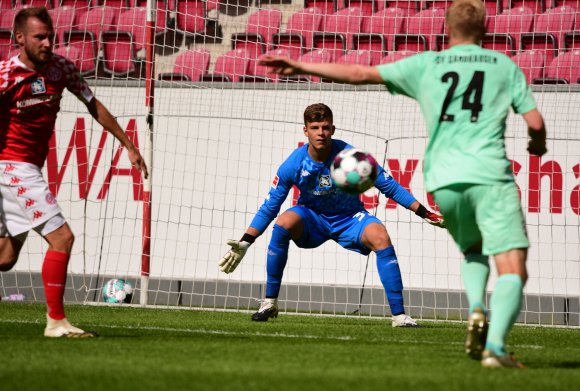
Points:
[[362, 57], [190, 65], [259, 73], [537, 6], [96, 20], [421, 31], [315, 56], [7, 19], [118, 53], [396, 56], [260, 28], [190, 19], [230, 66], [412, 7], [133, 21], [324, 6], [503, 43], [7, 44], [299, 31], [63, 19], [71, 53], [513, 21], [117, 4], [572, 40], [378, 32], [367, 7], [338, 30], [5, 5], [85, 43], [532, 64], [564, 69], [34, 3]]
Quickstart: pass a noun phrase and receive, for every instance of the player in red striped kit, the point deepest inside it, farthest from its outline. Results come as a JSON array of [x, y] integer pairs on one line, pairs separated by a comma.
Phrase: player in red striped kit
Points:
[[31, 87]]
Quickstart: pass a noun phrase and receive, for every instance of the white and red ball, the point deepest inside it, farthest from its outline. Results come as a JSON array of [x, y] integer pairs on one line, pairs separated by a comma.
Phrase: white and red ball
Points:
[[354, 170]]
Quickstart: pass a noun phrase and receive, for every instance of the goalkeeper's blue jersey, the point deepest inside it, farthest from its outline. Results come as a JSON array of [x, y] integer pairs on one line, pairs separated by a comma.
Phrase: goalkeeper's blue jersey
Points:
[[317, 191]]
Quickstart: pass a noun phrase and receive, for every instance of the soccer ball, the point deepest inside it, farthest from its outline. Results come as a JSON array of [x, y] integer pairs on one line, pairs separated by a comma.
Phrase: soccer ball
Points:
[[117, 290], [354, 170]]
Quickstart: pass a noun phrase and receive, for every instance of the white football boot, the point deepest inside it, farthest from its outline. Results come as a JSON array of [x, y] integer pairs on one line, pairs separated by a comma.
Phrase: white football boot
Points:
[[403, 320], [63, 329], [268, 309]]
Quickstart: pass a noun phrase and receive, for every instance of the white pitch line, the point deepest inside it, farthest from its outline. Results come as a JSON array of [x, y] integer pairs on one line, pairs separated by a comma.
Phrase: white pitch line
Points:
[[260, 334]]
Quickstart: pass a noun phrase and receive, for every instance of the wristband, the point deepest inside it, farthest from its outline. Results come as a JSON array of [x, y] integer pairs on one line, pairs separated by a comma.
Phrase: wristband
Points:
[[421, 211], [248, 238]]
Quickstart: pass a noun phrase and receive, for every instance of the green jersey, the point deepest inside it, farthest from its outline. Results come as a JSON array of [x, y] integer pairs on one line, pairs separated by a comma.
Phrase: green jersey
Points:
[[465, 94]]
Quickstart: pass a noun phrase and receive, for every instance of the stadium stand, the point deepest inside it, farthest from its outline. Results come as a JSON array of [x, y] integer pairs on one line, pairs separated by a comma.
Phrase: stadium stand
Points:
[[229, 67], [299, 31], [532, 64], [378, 31], [564, 69], [421, 31], [338, 30], [118, 53], [261, 26], [189, 66], [7, 44], [190, 17]]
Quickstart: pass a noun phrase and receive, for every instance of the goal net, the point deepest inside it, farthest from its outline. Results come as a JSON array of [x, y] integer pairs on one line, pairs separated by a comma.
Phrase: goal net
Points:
[[222, 126]]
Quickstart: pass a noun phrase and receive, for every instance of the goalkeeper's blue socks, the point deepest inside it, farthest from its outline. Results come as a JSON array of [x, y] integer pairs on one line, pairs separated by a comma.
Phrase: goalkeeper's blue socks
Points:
[[276, 260], [390, 275], [475, 273], [506, 302]]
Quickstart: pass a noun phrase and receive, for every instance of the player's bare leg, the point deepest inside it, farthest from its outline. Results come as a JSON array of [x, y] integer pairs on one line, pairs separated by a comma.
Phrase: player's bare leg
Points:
[[288, 226], [9, 251], [54, 273], [506, 303], [376, 238]]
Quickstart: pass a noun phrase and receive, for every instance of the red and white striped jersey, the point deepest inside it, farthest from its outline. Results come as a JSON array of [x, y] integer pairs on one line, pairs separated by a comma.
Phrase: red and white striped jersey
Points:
[[29, 104]]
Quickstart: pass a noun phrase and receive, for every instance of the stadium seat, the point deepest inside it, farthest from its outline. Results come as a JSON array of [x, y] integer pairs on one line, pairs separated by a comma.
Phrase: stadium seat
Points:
[[537, 6], [513, 21], [503, 43], [34, 3], [190, 17], [367, 7], [362, 57], [564, 69], [78, 4], [118, 53], [63, 19], [421, 31], [160, 14], [7, 19], [441, 42], [71, 53], [338, 30], [260, 28], [190, 65], [133, 21], [315, 56], [324, 6], [396, 56], [298, 35], [259, 73], [411, 7], [96, 20], [7, 44], [5, 5], [117, 4], [229, 67], [378, 32], [532, 64], [84, 43]]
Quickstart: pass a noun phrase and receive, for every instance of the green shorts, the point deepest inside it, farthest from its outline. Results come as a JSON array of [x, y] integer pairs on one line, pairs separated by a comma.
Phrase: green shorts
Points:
[[490, 214]]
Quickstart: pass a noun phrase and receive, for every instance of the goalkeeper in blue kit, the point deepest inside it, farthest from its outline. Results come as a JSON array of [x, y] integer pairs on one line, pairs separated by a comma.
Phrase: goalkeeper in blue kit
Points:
[[465, 94], [323, 212]]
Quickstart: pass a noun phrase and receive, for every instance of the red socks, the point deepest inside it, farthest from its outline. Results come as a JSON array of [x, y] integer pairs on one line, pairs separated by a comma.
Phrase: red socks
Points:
[[54, 278]]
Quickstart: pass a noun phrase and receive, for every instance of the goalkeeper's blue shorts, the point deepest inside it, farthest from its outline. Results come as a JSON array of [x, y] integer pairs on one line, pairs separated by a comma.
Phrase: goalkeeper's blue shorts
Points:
[[490, 214], [345, 229]]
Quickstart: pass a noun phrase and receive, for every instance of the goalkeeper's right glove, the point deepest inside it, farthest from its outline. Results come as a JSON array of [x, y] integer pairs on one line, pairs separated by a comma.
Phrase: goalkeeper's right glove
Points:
[[234, 256]]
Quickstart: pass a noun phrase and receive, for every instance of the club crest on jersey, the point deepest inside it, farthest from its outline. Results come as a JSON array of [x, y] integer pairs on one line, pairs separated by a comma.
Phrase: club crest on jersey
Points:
[[50, 200], [275, 182], [38, 86], [53, 74], [324, 181]]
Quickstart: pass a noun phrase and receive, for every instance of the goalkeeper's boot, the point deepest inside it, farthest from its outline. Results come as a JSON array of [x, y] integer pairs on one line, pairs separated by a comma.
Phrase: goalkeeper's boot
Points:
[[268, 309], [63, 329], [492, 360], [476, 334], [403, 320]]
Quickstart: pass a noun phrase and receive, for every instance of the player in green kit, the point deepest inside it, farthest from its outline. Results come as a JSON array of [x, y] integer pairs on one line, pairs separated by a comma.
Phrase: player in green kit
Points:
[[465, 94]]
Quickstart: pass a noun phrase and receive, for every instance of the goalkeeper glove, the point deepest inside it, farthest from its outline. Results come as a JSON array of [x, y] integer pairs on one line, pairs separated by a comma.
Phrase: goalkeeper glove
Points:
[[430, 217], [234, 256]]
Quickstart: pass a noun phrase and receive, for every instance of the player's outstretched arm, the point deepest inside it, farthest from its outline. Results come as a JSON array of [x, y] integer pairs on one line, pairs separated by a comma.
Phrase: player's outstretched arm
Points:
[[238, 249], [106, 119], [536, 131], [342, 73], [427, 215]]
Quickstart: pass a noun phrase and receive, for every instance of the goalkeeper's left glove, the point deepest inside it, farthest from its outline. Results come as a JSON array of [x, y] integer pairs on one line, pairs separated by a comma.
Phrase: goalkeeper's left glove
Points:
[[430, 217]]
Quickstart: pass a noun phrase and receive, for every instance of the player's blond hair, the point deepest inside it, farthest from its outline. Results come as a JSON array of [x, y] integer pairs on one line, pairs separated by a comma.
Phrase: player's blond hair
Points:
[[466, 19], [317, 112]]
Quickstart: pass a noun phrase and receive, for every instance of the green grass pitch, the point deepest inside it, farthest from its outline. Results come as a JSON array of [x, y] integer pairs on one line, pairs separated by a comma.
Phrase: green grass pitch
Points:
[[152, 349]]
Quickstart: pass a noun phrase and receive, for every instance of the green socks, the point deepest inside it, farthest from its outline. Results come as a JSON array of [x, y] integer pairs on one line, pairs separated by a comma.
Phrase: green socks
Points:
[[475, 272], [506, 302]]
